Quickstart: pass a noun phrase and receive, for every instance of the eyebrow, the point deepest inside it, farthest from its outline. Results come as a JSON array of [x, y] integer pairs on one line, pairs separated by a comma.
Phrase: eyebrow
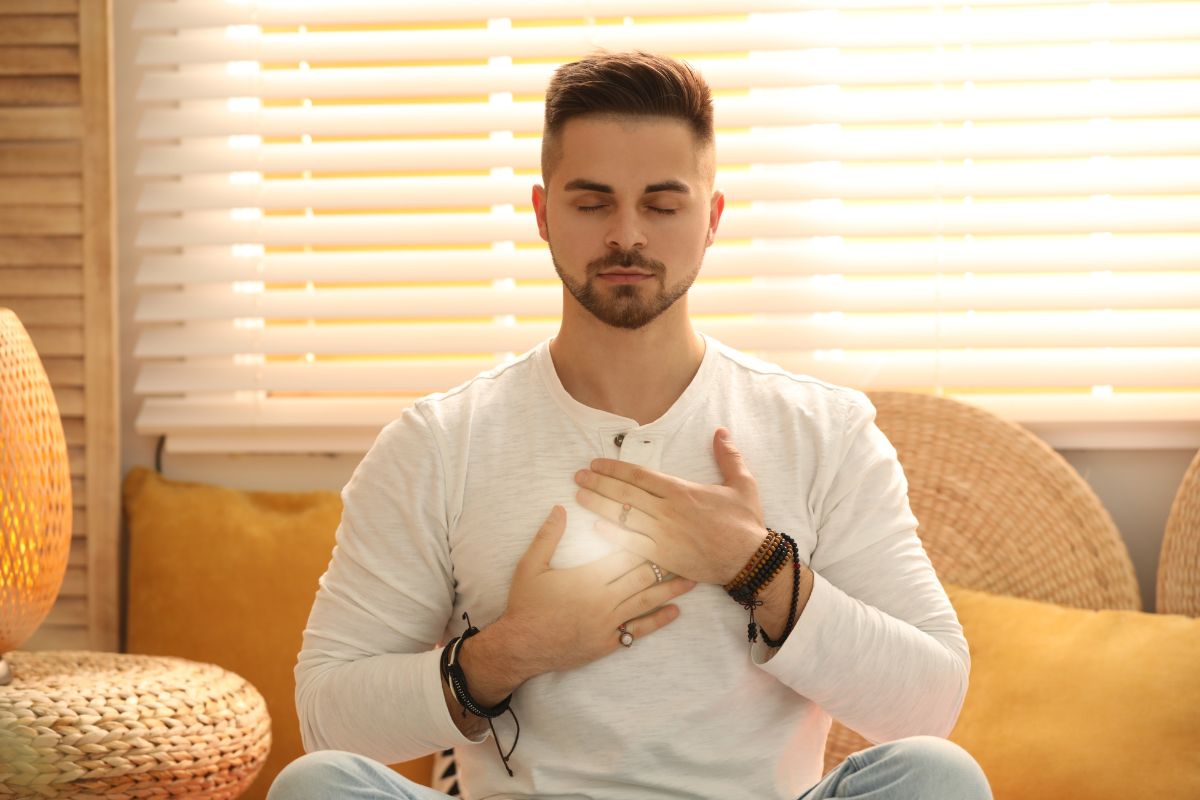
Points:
[[583, 184]]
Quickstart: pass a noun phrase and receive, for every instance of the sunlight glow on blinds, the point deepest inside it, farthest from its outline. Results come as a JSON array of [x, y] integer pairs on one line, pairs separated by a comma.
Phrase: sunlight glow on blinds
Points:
[[997, 201]]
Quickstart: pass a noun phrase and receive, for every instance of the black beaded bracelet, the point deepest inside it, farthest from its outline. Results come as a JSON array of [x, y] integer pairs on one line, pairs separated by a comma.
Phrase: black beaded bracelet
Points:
[[746, 593], [453, 674], [791, 620]]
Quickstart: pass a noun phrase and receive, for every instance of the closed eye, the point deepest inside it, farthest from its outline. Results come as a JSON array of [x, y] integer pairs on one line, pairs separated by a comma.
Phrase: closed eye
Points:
[[664, 211]]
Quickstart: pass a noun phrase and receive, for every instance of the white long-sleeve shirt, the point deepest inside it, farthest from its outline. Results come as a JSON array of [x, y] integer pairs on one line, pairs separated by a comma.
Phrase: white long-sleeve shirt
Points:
[[446, 502]]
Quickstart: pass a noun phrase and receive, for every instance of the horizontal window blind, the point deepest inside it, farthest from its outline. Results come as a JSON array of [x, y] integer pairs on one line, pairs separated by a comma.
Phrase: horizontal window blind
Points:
[[996, 201]]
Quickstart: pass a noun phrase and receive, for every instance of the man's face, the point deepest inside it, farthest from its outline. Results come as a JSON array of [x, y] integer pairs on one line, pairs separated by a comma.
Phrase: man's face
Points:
[[628, 211]]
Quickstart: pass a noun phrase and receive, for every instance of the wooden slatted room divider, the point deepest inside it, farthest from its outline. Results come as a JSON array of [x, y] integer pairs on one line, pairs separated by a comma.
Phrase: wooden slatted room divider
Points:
[[56, 273]]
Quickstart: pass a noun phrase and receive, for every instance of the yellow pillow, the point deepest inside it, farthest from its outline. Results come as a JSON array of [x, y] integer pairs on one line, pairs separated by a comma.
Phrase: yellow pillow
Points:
[[1086, 705], [228, 577]]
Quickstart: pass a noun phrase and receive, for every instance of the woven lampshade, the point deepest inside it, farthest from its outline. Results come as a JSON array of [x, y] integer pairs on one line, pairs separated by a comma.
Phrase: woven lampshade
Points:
[[35, 490]]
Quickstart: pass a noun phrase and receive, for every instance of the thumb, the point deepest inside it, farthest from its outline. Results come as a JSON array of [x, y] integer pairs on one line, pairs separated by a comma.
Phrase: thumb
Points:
[[729, 458], [545, 541]]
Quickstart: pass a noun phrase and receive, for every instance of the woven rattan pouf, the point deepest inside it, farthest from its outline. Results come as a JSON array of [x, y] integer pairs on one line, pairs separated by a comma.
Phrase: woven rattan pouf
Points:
[[84, 724]]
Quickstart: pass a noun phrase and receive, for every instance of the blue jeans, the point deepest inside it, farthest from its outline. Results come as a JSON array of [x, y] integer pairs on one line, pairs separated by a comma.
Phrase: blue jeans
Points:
[[917, 768]]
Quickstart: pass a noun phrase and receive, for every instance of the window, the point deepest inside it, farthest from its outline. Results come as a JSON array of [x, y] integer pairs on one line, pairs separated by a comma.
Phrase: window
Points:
[[996, 201]]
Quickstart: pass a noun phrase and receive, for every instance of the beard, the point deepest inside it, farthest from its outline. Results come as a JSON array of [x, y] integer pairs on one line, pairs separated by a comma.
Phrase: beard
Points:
[[629, 306]]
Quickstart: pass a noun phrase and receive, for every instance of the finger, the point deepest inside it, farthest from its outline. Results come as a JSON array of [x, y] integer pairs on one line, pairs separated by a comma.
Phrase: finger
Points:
[[647, 600], [619, 491], [656, 483], [624, 514], [729, 459], [647, 624], [611, 566], [634, 542], [546, 540], [635, 580]]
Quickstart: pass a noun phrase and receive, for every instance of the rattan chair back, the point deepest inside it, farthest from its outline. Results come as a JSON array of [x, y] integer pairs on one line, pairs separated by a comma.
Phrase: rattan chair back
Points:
[[1000, 511], [1178, 590]]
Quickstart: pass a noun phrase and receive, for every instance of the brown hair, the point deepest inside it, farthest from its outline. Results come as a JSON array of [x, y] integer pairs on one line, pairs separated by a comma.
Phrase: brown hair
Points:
[[635, 84]]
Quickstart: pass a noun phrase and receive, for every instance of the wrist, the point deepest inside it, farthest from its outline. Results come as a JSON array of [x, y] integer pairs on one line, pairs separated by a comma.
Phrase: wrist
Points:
[[760, 569], [776, 599], [756, 587], [750, 548], [489, 663]]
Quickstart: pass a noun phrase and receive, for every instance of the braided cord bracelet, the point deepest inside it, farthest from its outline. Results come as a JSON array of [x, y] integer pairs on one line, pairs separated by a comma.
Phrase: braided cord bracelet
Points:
[[452, 673]]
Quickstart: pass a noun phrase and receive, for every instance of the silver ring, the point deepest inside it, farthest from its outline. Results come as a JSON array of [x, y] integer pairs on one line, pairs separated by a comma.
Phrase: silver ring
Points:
[[624, 513], [658, 575], [626, 637]]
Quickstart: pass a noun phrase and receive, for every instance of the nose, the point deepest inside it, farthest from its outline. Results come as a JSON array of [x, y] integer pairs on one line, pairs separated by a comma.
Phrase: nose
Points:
[[625, 230]]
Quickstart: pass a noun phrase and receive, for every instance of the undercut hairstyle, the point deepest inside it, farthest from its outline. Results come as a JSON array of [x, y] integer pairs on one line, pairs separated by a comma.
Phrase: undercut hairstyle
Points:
[[636, 84]]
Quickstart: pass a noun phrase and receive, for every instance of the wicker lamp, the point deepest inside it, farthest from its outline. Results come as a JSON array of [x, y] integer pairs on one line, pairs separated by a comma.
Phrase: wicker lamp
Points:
[[35, 491]]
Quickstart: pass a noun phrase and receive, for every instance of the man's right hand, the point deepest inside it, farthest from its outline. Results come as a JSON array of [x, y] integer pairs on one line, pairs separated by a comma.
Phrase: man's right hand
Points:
[[559, 619]]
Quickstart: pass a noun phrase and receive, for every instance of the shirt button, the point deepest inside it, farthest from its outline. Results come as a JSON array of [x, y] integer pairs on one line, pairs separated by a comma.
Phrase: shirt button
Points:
[[620, 437]]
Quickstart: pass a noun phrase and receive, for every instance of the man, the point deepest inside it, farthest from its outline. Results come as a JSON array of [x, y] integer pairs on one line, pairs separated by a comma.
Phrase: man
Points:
[[589, 510]]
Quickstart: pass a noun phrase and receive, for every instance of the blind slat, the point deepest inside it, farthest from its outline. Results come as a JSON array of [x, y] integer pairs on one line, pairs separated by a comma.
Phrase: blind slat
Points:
[[802, 257], [164, 414], [763, 296], [217, 155], [894, 333], [1128, 367], [768, 220], [1161, 60], [785, 183], [1165, 21], [205, 13], [797, 143]]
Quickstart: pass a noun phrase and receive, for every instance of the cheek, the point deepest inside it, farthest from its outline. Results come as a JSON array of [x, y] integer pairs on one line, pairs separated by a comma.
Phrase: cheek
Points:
[[566, 222], [689, 236]]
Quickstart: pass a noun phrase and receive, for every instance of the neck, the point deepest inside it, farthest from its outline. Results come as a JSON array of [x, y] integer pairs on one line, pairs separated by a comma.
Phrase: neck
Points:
[[637, 374]]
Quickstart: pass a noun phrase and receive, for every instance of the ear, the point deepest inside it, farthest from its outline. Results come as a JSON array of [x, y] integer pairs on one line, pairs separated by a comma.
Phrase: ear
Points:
[[716, 208], [539, 210]]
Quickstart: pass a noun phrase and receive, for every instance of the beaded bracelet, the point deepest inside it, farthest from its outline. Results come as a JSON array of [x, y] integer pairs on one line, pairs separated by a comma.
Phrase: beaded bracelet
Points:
[[791, 620], [759, 573], [767, 546], [452, 673], [763, 574]]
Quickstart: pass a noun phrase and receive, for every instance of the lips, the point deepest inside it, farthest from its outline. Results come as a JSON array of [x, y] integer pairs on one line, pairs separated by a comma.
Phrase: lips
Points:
[[626, 272]]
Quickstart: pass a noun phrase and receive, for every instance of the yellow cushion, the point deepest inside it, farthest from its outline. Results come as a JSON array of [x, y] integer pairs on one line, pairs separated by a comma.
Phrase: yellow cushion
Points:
[[228, 577], [1087, 705]]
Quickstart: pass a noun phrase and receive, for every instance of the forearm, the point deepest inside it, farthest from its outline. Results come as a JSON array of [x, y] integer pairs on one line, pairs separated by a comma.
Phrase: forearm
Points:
[[387, 707], [776, 599], [880, 650]]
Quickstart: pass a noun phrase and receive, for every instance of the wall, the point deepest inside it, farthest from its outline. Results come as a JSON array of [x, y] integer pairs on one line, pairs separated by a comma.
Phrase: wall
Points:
[[1137, 486]]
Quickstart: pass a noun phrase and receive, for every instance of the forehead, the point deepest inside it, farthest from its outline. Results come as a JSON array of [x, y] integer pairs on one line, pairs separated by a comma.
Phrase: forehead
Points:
[[624, 151]]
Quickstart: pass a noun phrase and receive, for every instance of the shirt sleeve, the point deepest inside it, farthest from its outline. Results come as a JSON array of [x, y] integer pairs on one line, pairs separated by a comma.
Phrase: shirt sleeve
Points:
[[878, 645], [368, 678]]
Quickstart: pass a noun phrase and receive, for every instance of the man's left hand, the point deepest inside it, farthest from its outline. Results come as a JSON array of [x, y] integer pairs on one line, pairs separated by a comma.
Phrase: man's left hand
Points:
[[704, 532]]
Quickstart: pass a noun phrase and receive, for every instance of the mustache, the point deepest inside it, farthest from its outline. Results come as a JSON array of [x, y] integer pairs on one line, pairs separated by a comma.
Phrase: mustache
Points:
[[626, 259]]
